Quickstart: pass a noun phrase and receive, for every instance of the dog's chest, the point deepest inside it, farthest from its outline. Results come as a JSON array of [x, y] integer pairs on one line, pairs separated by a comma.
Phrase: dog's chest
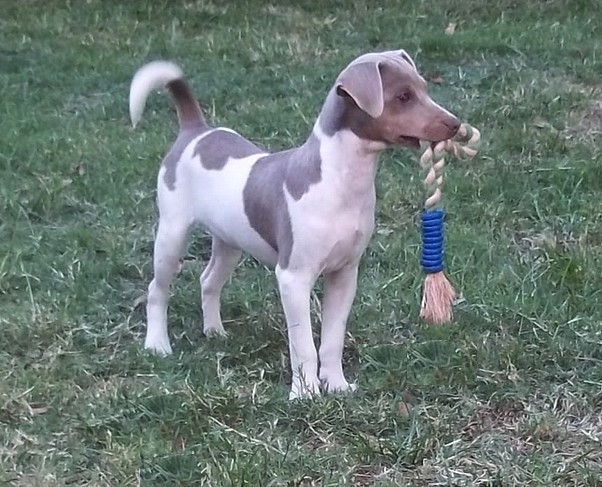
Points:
[[348, 237], [329, 231]]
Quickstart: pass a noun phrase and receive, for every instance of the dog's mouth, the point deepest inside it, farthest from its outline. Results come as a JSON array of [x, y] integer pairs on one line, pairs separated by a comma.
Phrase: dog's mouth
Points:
[[412, 142]]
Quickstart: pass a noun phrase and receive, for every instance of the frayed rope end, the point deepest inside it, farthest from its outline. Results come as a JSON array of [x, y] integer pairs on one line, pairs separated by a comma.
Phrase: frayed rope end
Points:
[[437, 299]]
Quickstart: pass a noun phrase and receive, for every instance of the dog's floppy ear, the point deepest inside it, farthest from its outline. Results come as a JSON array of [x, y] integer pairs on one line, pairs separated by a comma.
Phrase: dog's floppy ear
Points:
[[363, 83], [406, 57]]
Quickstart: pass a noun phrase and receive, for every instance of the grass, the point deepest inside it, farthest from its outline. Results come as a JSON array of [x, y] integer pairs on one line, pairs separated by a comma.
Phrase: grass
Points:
[[509, 394]]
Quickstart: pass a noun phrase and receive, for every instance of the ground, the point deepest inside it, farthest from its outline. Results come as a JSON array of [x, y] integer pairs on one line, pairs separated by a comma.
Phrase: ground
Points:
[[510, 393]]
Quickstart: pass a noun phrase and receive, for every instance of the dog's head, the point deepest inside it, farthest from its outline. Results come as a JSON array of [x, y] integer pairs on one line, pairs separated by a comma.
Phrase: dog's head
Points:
[[386, 100]]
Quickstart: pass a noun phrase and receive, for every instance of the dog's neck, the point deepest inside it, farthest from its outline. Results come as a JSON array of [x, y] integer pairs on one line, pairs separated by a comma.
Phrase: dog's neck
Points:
[[342, 150]]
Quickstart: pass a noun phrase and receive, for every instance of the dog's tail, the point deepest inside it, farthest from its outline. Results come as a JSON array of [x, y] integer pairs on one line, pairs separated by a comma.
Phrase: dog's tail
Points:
[[159, 74]]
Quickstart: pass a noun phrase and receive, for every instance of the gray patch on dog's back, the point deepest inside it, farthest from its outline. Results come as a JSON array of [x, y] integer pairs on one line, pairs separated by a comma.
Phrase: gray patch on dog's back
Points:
[[265, 205], [170, 161], [263, 195], [217, 147], [306, 165]]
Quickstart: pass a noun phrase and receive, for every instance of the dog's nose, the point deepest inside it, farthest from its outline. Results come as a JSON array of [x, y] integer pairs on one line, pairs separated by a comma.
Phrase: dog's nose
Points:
[[453, 124]]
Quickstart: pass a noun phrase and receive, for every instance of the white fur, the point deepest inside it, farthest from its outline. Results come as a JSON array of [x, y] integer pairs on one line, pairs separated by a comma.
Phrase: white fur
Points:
[[152, 76]]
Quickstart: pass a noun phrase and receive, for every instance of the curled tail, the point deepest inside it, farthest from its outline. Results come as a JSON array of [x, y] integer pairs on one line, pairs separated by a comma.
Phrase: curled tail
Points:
[[159, 74]]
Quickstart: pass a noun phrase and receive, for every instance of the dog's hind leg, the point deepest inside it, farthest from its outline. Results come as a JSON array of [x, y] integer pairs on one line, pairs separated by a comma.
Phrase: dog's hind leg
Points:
[[169, 245], [339, 291], [221, 265]]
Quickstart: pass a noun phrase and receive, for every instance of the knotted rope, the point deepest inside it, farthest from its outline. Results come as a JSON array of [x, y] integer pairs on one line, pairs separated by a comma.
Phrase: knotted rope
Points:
[[438, 294]]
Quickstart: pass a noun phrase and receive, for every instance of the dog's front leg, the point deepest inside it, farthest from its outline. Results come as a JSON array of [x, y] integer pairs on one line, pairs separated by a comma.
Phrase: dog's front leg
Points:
[[339, 291], [295, 288]]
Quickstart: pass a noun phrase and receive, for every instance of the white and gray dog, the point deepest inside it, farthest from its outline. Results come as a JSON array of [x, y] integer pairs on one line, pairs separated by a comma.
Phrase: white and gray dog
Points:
[[307, 211]]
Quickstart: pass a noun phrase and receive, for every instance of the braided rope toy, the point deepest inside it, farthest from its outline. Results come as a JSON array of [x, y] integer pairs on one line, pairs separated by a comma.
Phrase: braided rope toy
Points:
[[438, 294]]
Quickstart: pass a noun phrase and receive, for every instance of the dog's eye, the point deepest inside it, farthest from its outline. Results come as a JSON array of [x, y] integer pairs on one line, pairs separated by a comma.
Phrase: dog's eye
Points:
[[404, 98]]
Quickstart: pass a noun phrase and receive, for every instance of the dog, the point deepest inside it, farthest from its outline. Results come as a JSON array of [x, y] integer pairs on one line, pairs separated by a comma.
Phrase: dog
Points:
[[307, 211]]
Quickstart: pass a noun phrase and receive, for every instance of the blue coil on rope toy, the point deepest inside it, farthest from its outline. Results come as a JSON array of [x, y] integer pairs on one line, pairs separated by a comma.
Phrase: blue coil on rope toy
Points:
[[432, 241]]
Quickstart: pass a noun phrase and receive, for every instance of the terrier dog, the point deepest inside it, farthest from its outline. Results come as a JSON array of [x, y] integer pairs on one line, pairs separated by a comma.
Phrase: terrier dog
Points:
[[307, 211]]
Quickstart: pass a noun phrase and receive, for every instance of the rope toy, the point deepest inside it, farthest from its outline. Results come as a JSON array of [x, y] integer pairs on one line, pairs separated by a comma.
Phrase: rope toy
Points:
[[438, 294]]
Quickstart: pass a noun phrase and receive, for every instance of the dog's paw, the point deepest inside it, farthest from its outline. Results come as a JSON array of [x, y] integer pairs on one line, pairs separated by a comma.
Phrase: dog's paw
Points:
[[214, 331], [304, 390], [340, 386], [158, 347]]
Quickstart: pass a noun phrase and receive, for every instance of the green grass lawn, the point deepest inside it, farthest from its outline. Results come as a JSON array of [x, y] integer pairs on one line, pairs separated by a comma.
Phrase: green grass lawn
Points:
[[510, 393]]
